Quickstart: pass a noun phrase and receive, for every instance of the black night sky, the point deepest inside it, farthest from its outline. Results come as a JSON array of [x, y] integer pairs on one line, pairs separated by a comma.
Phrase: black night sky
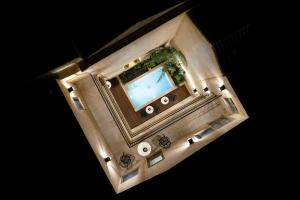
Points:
[[50, 156]]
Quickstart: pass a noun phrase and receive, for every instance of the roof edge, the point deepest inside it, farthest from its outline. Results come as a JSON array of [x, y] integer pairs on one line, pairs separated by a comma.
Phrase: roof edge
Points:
[[102, 53]]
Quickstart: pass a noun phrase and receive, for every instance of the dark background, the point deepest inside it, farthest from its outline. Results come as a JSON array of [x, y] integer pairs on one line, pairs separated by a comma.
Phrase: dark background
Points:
[[49, 154]]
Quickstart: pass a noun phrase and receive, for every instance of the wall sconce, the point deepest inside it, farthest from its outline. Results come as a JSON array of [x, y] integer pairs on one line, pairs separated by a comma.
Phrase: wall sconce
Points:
[[70, 89], [191, 141], [107, 159], [222, 87]]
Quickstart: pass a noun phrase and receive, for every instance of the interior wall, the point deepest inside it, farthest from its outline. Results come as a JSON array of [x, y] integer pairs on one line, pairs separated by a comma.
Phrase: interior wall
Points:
[[201, 61], [113, 64], [92, 133]]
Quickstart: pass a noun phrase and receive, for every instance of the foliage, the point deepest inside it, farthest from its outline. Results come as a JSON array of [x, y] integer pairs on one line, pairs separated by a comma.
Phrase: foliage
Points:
[[167, 55], [176, 72]]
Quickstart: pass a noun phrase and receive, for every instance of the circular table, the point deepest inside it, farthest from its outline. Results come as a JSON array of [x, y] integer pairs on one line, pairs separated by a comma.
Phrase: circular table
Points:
[[108, 83], [144, 148], [149, 109], [165, 100]]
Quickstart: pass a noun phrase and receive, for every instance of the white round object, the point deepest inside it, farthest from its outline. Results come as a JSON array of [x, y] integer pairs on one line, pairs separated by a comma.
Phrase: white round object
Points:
[[165, 100], [144, 148], [149, 109], [108, 84]]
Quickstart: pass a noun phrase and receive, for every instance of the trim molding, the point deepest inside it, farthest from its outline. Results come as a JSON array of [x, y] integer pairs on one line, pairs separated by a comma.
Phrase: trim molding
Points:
[[133, 138]]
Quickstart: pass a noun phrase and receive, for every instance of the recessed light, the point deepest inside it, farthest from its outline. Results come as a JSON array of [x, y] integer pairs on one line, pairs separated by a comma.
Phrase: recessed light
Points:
[[191, 141], [222, 87], [70, 89], [107, 159]]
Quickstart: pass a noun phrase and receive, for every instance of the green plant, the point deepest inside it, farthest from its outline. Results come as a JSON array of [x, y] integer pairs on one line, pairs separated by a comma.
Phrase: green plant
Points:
[[160, 55], [138, 66], [167, 55], [123, 78], [176, 72], [148, 63], [172, 69], [178, 78]]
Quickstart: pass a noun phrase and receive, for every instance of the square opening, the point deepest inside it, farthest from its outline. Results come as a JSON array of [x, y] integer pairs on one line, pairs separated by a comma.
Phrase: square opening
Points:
[[156, 158], [130, 175], [78, 103]]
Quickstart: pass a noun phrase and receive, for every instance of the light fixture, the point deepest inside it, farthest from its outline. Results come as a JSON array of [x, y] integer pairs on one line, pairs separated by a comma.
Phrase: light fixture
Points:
[[70, 89], [191, 141], [222, 87], [205, 89], [107, 159], [108, 84], [167, 44]]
